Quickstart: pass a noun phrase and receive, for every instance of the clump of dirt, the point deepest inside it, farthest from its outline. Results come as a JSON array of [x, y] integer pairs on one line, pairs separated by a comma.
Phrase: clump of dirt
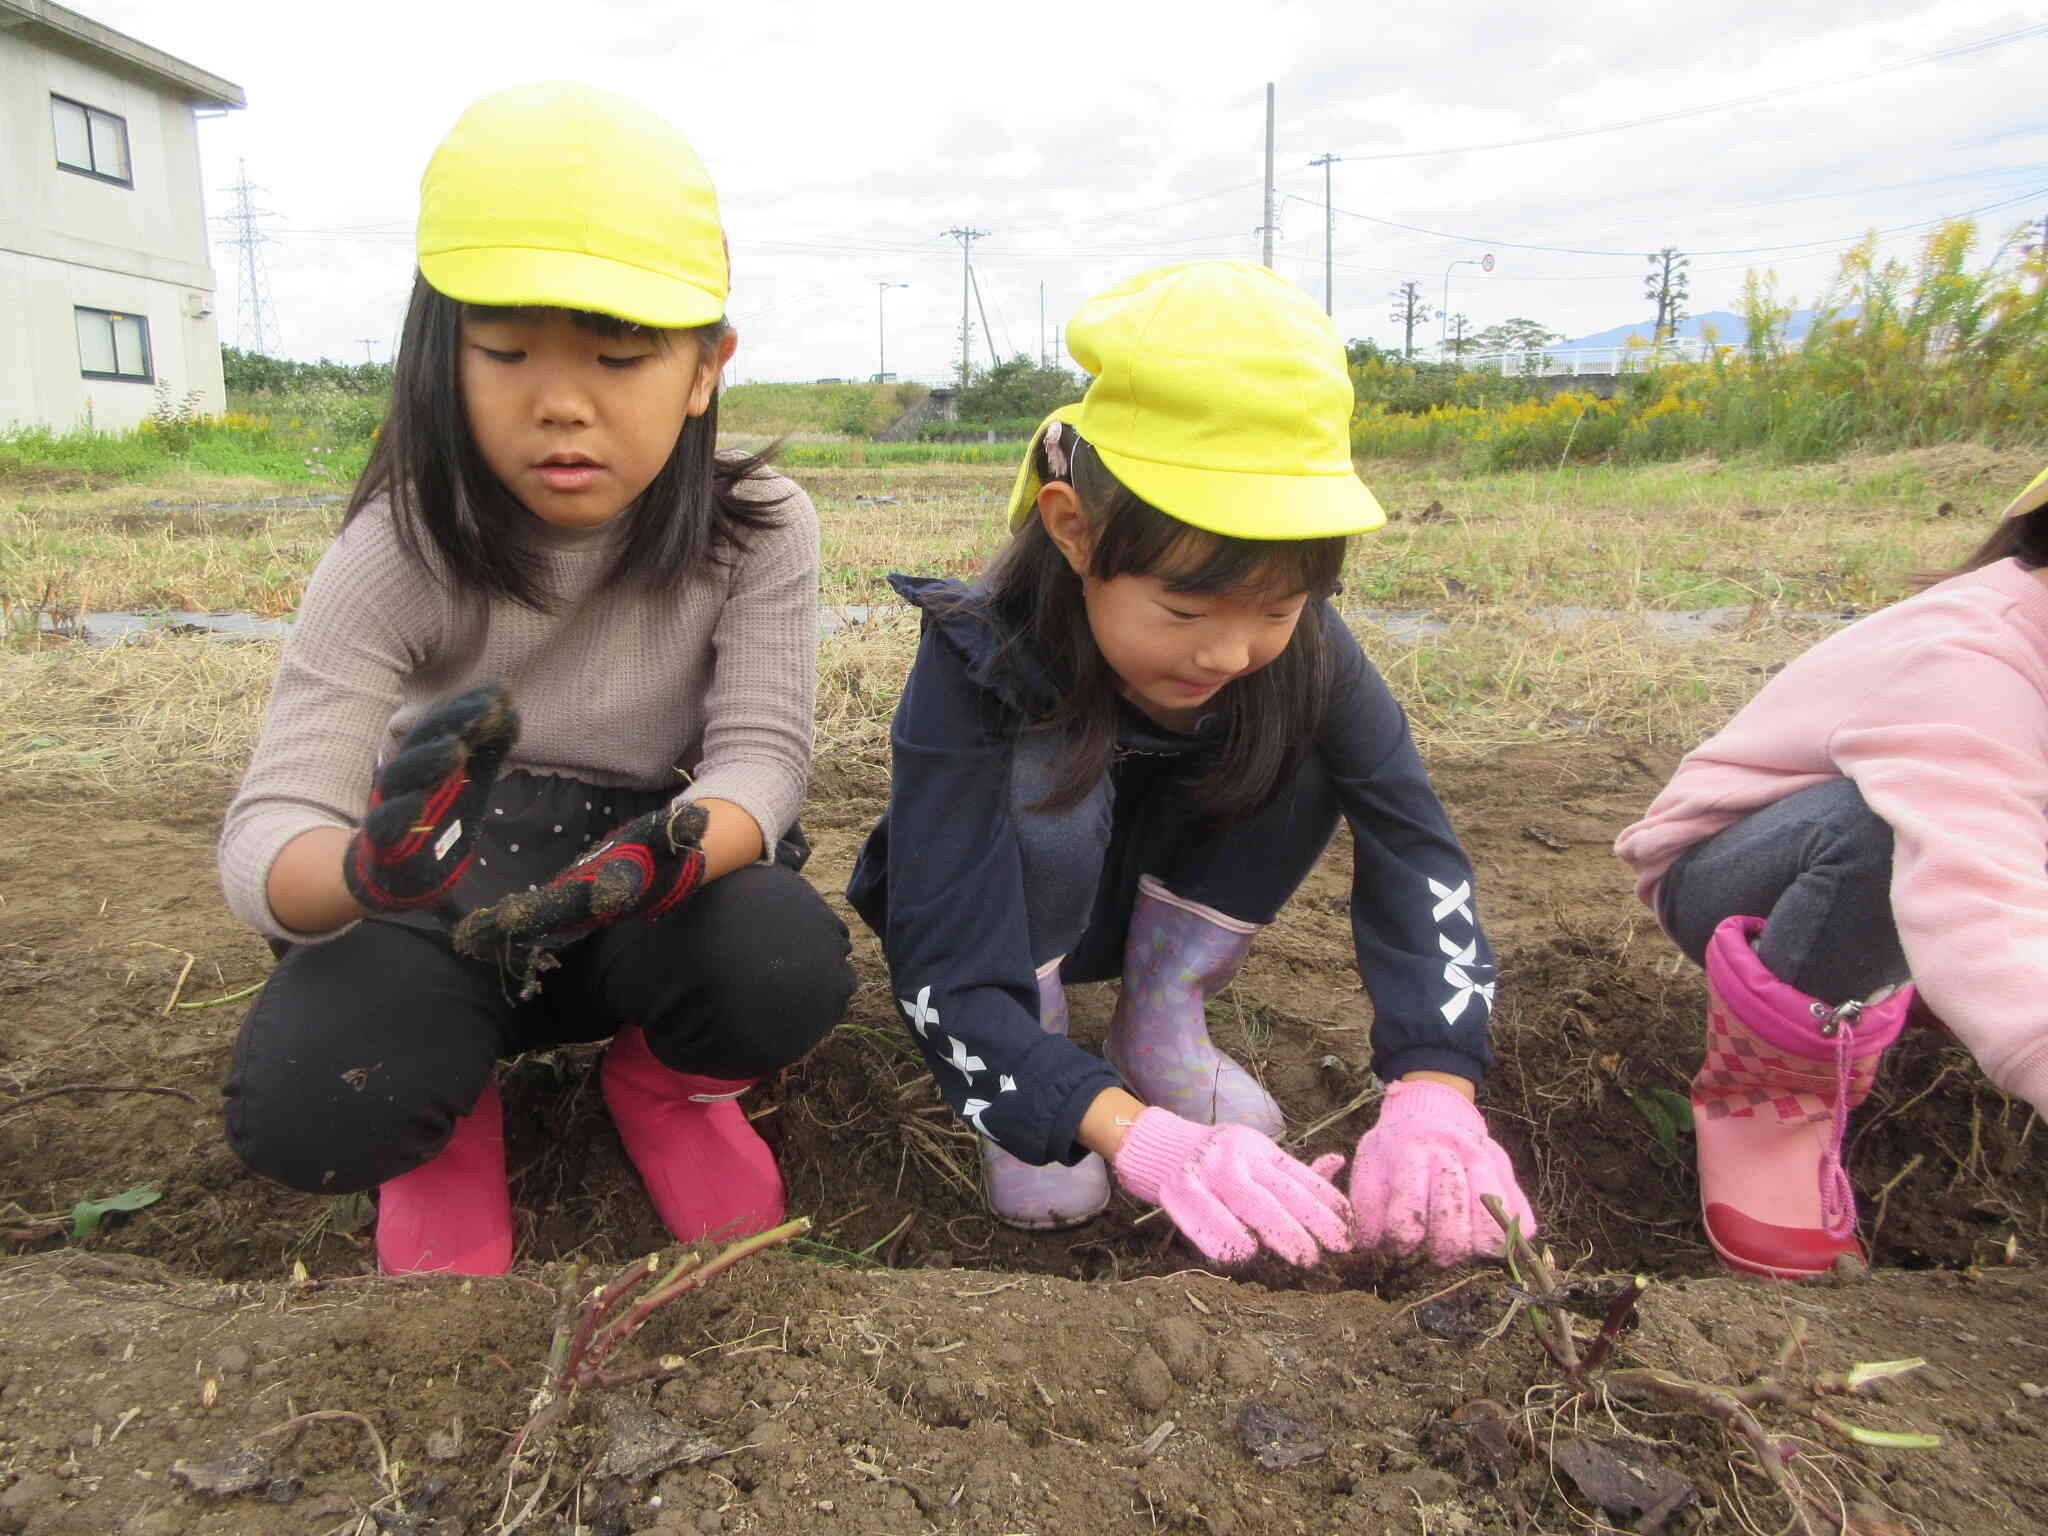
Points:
[[911, 1365]]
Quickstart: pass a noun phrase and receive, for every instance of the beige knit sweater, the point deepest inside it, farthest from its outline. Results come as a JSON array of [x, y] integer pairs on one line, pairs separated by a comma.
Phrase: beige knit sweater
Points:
[[709, 688]]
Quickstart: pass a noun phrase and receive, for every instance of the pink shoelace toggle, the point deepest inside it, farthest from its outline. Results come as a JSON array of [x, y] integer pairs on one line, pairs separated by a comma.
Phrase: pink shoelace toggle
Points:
[[1837, 1194]]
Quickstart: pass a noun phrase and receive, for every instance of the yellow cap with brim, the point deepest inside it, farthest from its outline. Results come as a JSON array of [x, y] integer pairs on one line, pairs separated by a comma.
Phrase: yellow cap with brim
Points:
[[1222, 397], [563, 196], [2032, 499]]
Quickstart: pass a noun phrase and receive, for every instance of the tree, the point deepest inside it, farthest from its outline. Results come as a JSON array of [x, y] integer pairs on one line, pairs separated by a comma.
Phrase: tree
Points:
[[1409, 311], [1515, 335], [1668, 287], [1458, 339], [1019, 389]]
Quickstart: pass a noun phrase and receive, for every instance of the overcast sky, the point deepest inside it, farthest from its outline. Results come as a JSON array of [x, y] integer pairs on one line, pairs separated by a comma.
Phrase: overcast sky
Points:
[[1093, 140]]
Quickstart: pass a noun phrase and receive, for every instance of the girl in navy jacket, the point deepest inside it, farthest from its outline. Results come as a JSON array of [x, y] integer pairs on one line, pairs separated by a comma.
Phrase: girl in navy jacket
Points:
[[1121, 752]]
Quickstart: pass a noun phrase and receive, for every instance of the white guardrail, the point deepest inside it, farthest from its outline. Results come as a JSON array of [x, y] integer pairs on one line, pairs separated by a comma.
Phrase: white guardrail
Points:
[[1553, 362]]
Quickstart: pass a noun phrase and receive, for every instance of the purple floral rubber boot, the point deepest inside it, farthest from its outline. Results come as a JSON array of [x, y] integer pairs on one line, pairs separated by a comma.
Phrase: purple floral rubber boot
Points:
[[1044, 1197], [1178, 956]]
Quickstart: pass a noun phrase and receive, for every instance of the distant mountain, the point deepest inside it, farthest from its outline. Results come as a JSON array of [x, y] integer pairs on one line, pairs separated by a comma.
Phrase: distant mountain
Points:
[[1730, 330]]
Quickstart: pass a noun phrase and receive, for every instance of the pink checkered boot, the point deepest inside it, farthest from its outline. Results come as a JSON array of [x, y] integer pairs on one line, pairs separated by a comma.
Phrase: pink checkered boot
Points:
[[1769, 1106], [1178, 956], [1041, 1198]]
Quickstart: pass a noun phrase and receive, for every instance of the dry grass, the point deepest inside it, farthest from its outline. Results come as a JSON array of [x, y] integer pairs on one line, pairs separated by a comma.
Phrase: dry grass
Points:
[[1689, 535], [139, 720]]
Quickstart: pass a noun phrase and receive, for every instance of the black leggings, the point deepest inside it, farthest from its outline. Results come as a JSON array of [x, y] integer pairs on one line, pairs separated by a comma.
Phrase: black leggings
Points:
[[361, 1053], [1817, 867]]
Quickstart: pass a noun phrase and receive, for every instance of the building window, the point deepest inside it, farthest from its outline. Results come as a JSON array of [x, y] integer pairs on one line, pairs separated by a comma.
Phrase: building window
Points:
[[91, 142], [113, 346]]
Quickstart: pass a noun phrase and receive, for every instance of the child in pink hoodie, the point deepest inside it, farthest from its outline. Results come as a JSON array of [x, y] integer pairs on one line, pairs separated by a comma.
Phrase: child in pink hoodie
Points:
[[1872, 825]]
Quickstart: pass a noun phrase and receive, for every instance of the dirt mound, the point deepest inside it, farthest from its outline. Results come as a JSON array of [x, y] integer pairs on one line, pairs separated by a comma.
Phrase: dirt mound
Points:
[[910, 1365]]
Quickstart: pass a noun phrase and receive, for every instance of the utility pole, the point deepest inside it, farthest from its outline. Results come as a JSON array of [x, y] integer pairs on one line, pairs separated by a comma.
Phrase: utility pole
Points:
[[255, 320], [1041, 325], [1266, 220], [368, 342], [966, 237], [1326, 160], [988, 332], [882, 330]]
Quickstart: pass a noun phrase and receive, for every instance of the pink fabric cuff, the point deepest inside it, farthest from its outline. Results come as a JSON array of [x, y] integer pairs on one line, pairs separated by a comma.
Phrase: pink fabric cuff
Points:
[[1430, 1101], [1779, 1013], [1157, 1146]]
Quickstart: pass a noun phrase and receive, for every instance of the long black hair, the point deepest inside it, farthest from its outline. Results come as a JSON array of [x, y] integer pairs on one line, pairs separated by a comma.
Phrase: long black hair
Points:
[[1273, 716], [444, 496], [2024, 538]]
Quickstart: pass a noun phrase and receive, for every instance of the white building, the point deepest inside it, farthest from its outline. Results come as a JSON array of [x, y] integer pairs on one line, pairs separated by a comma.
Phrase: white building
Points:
[[106, 279]]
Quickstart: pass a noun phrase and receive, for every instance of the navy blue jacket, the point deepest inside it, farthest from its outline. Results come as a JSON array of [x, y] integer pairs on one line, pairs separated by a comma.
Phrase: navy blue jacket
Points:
[[941, 881]]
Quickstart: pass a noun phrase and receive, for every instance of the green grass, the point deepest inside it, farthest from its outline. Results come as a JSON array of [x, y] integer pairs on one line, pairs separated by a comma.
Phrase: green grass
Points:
[[288, 450], [801, 455], [780, 410]]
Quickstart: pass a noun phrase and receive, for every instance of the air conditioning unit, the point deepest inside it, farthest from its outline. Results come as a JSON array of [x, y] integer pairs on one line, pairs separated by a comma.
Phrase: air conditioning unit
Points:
[[198, 304]]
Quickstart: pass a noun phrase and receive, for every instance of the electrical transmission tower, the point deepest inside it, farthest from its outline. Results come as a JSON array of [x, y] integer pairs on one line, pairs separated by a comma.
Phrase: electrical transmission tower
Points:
[[966, 237], [255, 320]]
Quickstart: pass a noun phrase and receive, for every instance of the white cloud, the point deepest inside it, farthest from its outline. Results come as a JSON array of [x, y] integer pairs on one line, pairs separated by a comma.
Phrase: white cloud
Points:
[[1096, 139]]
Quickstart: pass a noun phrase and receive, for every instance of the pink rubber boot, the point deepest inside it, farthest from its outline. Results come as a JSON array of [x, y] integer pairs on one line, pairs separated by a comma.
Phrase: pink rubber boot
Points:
[[707, 1170], [1178, 956], [1769, 1105], [454, 1214], [1044, 1197]]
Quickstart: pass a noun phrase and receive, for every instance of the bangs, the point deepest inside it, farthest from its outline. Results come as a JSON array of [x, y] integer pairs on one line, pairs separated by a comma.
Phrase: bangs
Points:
[[1137, 539], [599, 324]]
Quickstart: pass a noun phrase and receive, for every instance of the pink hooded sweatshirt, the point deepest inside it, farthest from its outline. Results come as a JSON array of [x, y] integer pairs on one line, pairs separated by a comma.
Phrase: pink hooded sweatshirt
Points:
[[1937, 708]]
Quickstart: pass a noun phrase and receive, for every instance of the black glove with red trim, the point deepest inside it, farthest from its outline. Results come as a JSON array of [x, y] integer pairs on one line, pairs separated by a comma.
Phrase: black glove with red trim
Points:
[[646, 868], [428, 802]]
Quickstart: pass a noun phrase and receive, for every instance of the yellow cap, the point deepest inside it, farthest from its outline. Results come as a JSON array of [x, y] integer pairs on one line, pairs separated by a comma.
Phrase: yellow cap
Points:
[[557, 194], [2032, 499], [1222, 397]]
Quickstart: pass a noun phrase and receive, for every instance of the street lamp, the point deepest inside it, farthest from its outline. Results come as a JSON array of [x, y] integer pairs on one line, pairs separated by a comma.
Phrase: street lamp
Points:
[[882, 330], [1443, 315]]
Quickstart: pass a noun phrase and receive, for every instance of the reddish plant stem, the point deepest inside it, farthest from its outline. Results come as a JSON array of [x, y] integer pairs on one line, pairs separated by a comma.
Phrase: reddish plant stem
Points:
[[1618, 1313], [689, 1275], [596, 1306]]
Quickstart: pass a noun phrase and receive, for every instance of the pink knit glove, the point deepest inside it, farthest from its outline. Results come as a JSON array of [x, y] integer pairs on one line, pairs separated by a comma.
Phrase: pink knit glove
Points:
[[1223, 1183], [1419, 1173]]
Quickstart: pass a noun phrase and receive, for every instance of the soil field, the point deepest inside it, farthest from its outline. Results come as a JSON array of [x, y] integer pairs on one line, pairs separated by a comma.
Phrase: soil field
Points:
[[909, 1366]]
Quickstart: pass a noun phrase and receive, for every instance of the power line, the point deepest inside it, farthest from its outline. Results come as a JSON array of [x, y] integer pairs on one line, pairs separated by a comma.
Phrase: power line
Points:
[[1755, 250], [1132, 213], [1982, 44]]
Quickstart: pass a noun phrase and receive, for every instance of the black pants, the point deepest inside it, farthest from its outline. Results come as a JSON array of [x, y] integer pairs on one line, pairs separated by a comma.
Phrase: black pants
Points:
[[1817, 867], [361, 1053]]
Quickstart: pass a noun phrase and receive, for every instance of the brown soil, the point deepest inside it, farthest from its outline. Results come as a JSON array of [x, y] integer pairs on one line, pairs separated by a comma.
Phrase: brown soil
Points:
[[911, 1366]]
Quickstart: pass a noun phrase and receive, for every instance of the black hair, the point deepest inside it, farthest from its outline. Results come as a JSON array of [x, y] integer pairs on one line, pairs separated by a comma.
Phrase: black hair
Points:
[[2024, 538], [1272, 716], [444, 496]]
